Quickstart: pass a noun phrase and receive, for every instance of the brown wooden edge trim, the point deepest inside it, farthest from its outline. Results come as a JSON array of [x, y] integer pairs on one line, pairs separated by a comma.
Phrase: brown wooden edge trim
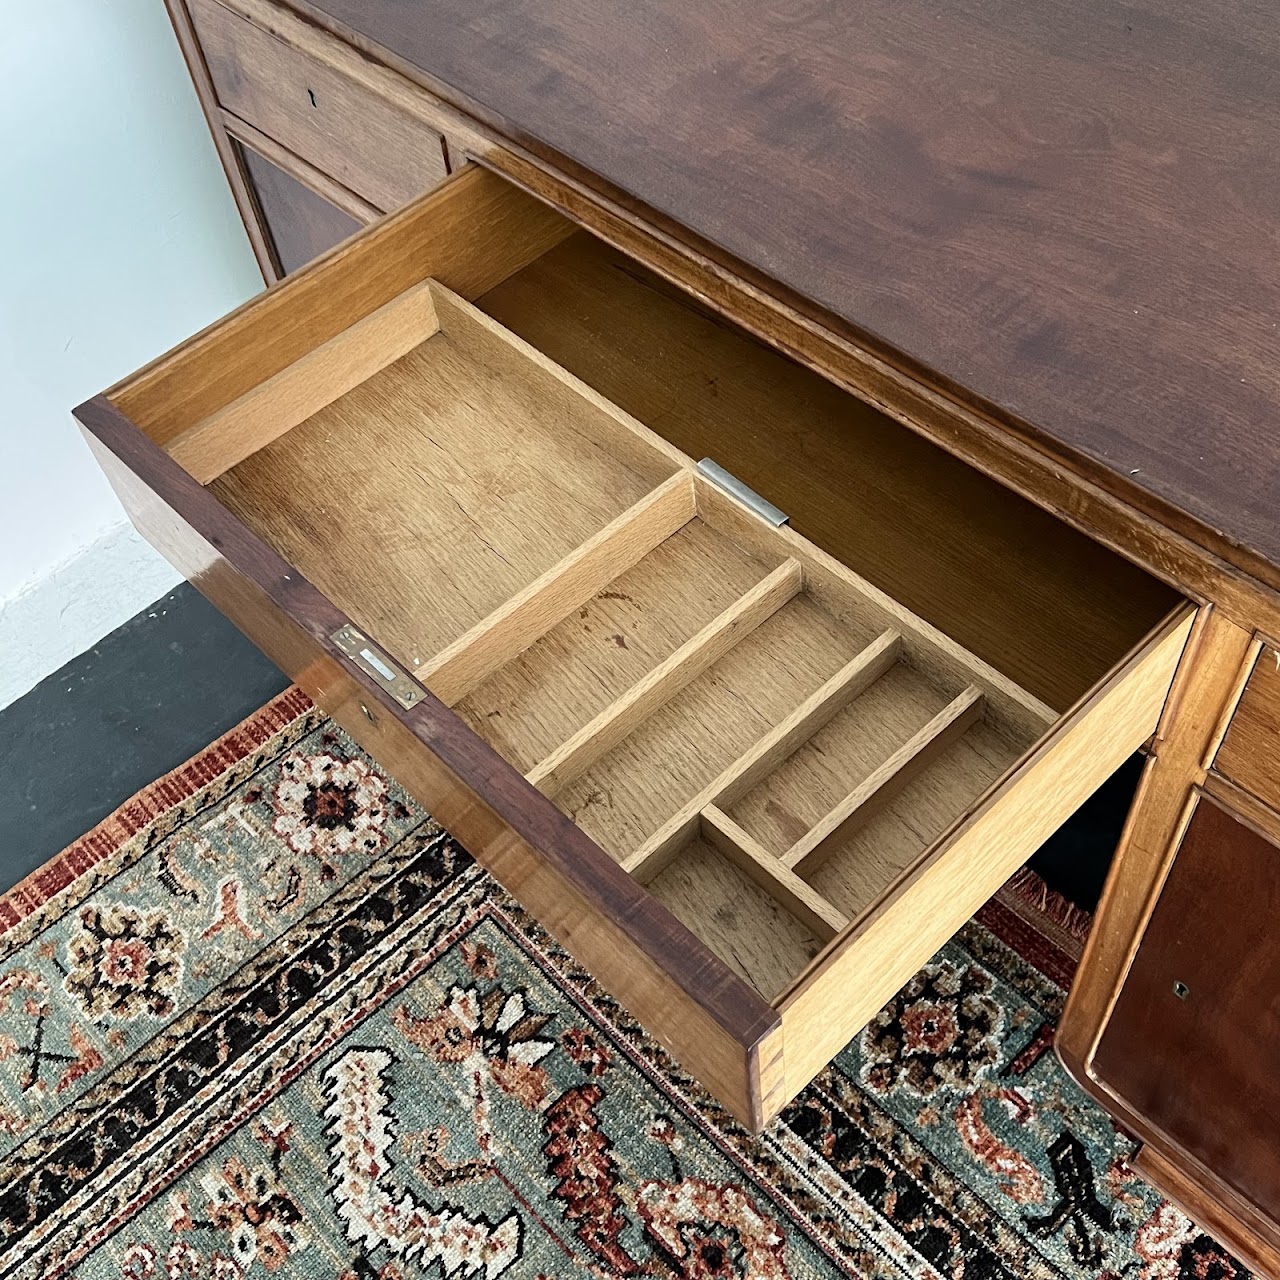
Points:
[[241, 191], [1213, 1204], [565, 849], [1105, 505], [1250, 1235], [1243, 805], [1089, 1025], [296, 167]]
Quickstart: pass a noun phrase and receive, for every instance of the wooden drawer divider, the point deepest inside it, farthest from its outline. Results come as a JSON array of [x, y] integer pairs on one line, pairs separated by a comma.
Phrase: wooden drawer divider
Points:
[[766, 755], [752, 858], [573, 758], [524, 619], [885, 782]]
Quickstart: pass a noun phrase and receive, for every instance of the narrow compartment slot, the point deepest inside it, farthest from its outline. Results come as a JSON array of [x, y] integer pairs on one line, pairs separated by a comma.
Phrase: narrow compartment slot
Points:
[[1010, 709], [547, 601], [216, 443], [532, 705], [755, 861], [769, 752], [749, 929], [715, 720], [886, 781], [573, 758]]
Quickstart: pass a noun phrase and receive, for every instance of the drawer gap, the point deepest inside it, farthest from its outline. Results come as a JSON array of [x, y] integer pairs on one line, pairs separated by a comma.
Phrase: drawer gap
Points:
[[574, 757]]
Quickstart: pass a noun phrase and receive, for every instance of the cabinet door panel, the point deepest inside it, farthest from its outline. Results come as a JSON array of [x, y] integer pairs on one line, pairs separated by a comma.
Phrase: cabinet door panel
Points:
[[299, 224], [1194, 1042]]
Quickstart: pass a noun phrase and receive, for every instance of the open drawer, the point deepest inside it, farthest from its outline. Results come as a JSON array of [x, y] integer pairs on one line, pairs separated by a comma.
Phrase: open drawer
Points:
[[751, 791]]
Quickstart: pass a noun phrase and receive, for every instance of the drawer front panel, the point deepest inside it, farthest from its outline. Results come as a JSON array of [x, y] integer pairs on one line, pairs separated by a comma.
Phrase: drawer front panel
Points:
[[300, 225], [1194, 1041], [1250, 753], [365, 143]]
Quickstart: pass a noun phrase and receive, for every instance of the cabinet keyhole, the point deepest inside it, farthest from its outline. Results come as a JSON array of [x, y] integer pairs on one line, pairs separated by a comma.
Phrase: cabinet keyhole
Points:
[[1181, 990]]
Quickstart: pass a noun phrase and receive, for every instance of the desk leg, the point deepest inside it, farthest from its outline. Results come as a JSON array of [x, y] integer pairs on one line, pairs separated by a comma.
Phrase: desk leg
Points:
[[1208, 680]]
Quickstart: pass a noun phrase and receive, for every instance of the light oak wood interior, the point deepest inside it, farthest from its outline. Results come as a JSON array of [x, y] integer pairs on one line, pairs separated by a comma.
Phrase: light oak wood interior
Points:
[[1020, 589], [764, 738], [430, 494]]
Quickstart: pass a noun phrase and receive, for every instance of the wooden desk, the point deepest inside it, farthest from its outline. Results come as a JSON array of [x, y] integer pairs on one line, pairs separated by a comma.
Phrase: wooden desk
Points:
[[1041, 238]]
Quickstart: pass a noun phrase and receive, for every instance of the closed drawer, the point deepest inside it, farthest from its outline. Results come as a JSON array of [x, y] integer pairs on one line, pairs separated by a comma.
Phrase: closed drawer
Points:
[[299, 223], [371, 146], [751, 791], [1250, 752], [1194, 1039]]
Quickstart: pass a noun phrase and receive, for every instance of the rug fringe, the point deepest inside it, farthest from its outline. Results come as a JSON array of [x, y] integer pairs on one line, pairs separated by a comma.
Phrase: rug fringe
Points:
[[34, 890], [1031, 889]]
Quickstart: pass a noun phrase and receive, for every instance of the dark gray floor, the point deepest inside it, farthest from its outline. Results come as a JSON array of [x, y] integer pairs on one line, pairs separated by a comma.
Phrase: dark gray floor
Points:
[[133, 707], [172, 679], [1076, 858]]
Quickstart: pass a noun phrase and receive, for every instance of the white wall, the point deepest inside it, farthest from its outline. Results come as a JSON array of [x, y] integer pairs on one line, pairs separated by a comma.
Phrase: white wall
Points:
[[119, 239]]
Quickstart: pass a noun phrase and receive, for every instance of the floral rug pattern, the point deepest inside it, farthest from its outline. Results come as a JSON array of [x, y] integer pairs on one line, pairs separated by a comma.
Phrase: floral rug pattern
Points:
[[269, 1020]]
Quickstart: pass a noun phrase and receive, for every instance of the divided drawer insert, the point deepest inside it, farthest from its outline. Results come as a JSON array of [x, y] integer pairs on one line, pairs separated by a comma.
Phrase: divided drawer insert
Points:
[[749, 791], [763, 738]]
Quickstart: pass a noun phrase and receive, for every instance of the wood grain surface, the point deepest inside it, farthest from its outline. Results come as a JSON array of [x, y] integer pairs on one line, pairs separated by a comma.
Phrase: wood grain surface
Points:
[[1193, 1041], [1249, 751], [1063, 214]]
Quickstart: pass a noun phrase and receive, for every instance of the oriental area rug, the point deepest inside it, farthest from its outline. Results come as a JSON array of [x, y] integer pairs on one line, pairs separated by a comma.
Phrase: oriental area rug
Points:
[[270, 1020]]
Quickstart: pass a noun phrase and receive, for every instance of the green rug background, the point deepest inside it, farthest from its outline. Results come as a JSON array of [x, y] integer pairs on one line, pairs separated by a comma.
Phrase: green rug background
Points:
[[270, 1020]]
